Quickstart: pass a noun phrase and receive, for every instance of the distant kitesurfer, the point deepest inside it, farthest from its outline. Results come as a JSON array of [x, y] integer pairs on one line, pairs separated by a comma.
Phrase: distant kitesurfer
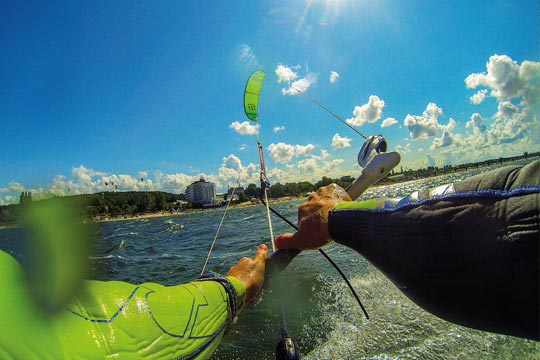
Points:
[[114, 319], [467, 252]]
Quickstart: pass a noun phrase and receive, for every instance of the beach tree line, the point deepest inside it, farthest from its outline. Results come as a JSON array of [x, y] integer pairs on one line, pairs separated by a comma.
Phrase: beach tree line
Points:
[[130, 203]]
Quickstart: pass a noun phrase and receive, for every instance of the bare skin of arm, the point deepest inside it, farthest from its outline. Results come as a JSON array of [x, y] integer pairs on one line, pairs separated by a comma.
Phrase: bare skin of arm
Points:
[[250, 271], [313, 230]]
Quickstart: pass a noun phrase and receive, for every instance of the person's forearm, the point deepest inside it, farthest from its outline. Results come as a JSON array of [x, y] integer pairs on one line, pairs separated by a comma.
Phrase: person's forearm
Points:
[[470, 256]]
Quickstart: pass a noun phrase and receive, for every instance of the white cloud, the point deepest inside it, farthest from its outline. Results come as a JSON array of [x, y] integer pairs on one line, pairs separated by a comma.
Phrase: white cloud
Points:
[[285, 74], [507, 79], [301, 84], [245, 128], [339, 142], [246, 58], [282, 152], [334, 76], [13, 186], [515, 124], [324, 154], [504, 131], [278, 129], [476, 123], [422, 127], [479, 97], [529, 73], [506, 110], [312, 168], [232, 170], [243, 147], [388, 122], [143, 174], [446, 140], [84, 174], [303, 149], [450, 126], [403, 149], [232, 162], [369, 112], [175, 182]]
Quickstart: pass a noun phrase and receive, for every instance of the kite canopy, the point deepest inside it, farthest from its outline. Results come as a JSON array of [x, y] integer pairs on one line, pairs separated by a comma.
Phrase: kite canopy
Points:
[[251, 94]]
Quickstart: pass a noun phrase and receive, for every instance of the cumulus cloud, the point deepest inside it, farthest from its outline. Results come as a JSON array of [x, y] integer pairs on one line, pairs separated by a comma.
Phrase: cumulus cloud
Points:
[[303, 149], [312, 168], [479, 97], [403, 149], [504, 131], [388, 122], [175, 182], [285, 74], [529, 73], [143, 174], [422, 127], [476, 123], [278, 129], [370, 112], [339, 142], [282, 153], [83, 174], [13, 186], [232, 170], [301, 84], [289, 76], [446, 140], [245, 128], [324, 154], [84, 180], [516, 87], [334, 76], [232, 161], [450, 126], [507, 79], [506, 110]]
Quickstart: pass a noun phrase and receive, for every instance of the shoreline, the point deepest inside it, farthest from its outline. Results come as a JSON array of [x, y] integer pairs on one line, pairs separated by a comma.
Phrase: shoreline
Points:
[[105, 219]]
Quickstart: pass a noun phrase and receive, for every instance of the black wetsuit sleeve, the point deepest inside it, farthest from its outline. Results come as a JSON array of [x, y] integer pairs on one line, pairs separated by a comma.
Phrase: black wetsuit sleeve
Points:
[[471, 257]]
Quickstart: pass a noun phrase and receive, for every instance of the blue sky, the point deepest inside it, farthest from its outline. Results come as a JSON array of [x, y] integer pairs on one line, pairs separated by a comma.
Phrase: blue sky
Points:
[[101, 92]]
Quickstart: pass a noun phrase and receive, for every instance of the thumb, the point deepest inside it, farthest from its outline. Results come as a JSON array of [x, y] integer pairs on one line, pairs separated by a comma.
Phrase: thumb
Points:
[[285, 241], [261, 254]]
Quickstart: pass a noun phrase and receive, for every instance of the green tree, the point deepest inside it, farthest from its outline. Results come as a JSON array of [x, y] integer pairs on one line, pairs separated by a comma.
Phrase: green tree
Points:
[[252, 191]]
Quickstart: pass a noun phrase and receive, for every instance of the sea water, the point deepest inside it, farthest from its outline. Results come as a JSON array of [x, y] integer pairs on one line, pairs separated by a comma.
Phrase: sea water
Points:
[[321, 314]]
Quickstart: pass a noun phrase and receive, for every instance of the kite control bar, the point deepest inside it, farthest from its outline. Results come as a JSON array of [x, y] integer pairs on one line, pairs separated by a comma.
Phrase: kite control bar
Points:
[[375, 162]]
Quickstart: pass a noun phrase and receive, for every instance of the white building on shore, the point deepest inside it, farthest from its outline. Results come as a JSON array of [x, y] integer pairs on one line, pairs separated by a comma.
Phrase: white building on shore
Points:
[[202, 192]]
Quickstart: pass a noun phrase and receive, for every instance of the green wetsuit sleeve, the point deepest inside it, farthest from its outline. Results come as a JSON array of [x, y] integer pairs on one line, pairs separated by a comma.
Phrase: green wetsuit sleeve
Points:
[[149, 320], [116, 319], [366, 204], [25, 332]]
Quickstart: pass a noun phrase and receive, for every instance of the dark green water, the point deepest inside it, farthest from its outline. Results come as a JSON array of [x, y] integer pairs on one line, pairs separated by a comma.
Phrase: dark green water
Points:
[[322, 315]]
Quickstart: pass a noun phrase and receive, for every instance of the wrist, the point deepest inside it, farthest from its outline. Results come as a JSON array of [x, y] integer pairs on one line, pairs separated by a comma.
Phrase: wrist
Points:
[[235, 289]]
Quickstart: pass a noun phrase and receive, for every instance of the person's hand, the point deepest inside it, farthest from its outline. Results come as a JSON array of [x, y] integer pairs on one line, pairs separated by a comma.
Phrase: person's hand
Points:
[[251, 272], [313, 230]]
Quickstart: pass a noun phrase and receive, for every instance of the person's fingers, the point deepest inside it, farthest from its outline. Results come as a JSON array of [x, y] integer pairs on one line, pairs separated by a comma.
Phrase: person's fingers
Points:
[[285, 241], [333, 191], [261, 254], [300, 242]]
